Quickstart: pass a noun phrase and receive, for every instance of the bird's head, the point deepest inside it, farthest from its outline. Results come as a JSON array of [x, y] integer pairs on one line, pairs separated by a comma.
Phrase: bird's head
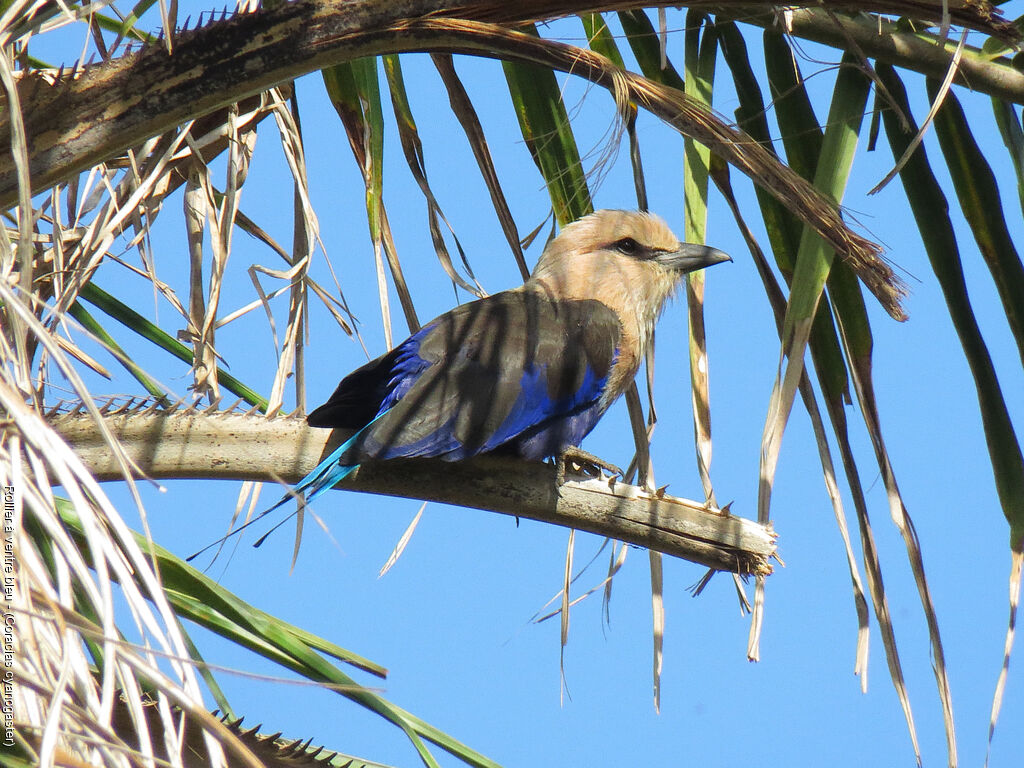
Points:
[[629, 260]]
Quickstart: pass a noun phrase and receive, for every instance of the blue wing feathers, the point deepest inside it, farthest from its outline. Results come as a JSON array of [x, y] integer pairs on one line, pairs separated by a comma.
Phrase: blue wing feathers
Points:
[[516, 371], [536, 412], [372, 389]]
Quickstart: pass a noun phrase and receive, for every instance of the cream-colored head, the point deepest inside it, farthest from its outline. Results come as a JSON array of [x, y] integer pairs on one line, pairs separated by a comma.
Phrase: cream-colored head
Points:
[[628, 260]]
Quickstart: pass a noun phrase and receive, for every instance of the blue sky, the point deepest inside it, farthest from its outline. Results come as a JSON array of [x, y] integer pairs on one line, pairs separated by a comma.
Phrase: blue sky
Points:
[[452, 621]]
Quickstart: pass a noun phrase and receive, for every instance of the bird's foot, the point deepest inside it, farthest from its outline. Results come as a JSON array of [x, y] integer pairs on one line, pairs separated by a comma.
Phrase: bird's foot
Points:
[[582, 461]]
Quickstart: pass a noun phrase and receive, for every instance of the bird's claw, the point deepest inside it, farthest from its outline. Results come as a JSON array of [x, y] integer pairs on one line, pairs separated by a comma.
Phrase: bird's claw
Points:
[[584, 462]]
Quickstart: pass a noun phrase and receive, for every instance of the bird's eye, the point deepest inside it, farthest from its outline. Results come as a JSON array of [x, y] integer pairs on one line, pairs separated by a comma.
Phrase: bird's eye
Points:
[[628, 246]]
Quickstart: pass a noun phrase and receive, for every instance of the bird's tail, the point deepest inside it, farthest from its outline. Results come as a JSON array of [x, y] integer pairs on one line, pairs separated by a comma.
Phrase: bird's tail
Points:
[[324, 476], [327, 473]]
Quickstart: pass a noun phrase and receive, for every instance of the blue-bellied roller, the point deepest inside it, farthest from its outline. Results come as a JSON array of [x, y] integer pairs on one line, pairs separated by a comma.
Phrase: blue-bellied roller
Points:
[[528, 371]]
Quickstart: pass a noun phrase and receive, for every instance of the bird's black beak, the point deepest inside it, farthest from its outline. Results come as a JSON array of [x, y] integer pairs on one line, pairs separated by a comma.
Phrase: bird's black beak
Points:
[[691, 256]]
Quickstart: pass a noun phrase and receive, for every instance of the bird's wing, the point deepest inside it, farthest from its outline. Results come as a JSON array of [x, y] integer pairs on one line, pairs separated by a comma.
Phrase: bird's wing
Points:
[[481, 375], [364, 393]]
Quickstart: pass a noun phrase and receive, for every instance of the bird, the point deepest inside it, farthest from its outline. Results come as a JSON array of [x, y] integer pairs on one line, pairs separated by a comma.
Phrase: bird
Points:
[[528, 371]]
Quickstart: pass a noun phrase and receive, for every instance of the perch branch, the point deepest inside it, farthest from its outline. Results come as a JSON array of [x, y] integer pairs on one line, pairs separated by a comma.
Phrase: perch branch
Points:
[[186, 443]]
